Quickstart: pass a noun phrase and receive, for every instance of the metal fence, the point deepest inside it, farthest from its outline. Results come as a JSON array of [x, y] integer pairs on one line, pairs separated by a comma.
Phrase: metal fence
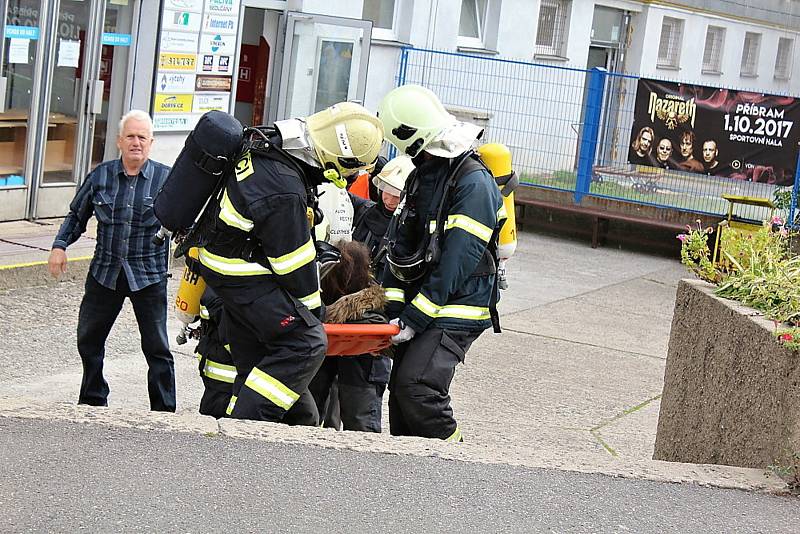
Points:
[[569, 129]]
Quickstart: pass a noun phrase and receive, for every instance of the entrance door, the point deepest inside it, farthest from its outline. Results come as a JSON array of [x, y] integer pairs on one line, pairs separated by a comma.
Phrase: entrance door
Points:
[[61, 59], [324, 61]]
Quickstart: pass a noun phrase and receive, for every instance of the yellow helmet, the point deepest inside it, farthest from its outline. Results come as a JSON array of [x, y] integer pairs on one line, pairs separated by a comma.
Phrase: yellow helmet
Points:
[[392, 177], [412, 116], [347, 139]]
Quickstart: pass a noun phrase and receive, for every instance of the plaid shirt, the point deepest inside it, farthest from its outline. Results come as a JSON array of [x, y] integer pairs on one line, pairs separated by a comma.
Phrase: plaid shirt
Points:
[[123, 206]]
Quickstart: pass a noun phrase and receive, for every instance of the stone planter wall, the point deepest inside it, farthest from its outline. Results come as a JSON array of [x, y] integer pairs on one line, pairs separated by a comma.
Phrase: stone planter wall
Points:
[[731, 392]]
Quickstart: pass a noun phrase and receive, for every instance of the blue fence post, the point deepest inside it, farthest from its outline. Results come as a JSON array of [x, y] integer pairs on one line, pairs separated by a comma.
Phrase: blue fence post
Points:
[[795, 189], [591, 129]]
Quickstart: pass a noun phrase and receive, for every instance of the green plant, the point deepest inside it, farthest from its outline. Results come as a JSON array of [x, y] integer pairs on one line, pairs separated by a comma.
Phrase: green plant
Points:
[[790, 473], [695, 254], [755, 268], [788, 337], [764, 274], [782, 198]]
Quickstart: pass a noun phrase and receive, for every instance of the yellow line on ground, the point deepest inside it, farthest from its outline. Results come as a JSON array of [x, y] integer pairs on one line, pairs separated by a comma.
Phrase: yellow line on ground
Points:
[[34, 263]]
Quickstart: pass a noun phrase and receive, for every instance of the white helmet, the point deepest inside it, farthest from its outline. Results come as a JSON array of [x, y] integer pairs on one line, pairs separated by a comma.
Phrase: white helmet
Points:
[[346, 137], [412, 117], [392, 177]]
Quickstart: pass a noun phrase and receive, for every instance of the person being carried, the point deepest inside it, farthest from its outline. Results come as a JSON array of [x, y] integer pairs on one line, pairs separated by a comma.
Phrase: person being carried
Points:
[[360, 380], [126, 262]]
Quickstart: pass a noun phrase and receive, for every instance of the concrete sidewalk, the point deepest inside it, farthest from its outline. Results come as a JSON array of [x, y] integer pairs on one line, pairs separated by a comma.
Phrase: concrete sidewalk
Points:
[[25, 247], [573, 383]]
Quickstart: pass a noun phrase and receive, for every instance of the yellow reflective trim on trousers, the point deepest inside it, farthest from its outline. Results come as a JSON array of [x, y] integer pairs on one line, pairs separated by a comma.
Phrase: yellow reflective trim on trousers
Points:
[[271, 389], [231, 266], [231, 217], [231, 405], [394, 294], [219, 371], [295, 259], [469, 225], [456, 436], [423, 304], [312, 301], [204, 313], [432, 226]]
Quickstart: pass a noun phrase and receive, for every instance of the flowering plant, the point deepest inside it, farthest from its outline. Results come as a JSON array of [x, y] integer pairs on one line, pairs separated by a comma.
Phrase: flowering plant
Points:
[[695, 253], [788, 337], [755, 268]]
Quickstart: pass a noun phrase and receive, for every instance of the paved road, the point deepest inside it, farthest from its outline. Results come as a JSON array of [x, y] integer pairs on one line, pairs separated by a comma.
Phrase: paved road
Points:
[[178, 482], [571, 389]]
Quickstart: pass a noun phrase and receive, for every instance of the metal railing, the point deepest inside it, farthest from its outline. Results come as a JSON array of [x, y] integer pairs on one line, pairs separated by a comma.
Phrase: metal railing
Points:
[[569, 129]]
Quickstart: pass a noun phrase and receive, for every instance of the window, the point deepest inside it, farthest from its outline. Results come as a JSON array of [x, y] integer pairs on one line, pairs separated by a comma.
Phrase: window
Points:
[[752, 45], [783, 61], [472, 23], [669, 45], [712, 53], [382, 15], [551, 33]]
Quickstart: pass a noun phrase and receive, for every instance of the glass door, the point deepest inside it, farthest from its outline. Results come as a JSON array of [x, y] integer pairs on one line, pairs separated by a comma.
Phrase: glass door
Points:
[[324, 61], [88, 54], [19, 49]]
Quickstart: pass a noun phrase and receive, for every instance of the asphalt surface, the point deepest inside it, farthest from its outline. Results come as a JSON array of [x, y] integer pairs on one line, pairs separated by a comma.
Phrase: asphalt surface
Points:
[[129, 480], [555, 410]]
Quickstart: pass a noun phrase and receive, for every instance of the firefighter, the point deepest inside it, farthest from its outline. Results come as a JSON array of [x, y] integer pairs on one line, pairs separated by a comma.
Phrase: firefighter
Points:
[[441, 259], [258, 255], [359, 382]]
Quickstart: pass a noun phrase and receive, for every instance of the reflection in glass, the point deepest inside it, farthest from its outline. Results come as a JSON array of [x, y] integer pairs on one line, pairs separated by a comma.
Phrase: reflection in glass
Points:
[[22, 16], [333, 78]]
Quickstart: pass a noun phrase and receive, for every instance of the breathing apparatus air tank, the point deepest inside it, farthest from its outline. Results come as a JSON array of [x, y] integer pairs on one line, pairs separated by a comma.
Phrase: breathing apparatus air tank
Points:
[[208, 152], [191, 289], [497, 157]]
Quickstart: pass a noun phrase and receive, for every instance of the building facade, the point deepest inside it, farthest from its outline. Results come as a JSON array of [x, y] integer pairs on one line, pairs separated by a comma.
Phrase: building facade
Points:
[[71, 68]]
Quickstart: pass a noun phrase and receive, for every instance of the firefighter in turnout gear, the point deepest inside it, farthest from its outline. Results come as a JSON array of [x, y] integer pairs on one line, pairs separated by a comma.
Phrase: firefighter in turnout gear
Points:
[[440, 279], [259, 256]]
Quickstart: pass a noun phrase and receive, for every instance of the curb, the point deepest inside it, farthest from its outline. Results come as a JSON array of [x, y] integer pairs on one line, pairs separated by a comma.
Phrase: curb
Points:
[[33, 274], [706, 475]]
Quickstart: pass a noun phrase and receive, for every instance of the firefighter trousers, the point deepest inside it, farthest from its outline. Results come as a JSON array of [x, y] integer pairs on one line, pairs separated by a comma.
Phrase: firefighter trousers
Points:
[[272, 377], [419, 387], [218, 373]]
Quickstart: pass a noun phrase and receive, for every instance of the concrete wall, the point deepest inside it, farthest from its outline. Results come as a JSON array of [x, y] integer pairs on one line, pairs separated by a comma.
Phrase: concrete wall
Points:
[[730, 390]]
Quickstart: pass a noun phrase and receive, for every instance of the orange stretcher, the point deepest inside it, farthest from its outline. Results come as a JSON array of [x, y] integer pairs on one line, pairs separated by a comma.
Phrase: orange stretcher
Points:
[[354, 339]]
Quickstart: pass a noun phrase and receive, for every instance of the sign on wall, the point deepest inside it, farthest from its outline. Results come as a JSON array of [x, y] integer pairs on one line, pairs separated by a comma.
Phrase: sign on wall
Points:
[[713, 131], [197, 48]]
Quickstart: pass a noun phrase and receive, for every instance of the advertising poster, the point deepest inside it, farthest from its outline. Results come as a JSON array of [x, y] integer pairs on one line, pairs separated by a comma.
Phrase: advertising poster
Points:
[[715, 132], [197, 51]]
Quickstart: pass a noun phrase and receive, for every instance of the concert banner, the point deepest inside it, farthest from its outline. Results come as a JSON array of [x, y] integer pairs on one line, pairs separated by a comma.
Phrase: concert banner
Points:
[[716, 132]]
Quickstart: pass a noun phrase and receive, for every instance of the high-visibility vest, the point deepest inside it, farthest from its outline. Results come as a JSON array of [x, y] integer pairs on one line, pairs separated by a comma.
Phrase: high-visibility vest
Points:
[[361, 186]]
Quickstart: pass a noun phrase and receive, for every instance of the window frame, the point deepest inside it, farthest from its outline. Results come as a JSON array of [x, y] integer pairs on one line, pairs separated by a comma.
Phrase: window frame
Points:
[[716, 67], [474, 42], [386, 34], [786, 74], [560, 30], [753, 72], [674, 44]]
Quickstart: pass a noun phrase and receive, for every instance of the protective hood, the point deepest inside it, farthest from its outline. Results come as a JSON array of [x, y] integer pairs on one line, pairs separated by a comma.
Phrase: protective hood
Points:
[[454, 139], [296, 141]]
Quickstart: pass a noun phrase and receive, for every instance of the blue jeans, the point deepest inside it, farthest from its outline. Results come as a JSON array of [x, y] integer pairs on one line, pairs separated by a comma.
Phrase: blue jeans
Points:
[[99, 309]]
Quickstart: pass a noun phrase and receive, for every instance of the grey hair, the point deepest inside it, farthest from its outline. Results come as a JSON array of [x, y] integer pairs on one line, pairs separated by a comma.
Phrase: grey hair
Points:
[[138, 115]]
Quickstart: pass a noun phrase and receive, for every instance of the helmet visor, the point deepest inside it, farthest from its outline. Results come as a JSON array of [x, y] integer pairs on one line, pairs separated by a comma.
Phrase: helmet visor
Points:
[[383, 186]]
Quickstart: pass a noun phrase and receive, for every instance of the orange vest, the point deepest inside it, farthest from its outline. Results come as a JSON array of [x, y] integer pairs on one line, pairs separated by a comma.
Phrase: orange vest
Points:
[[361, 186]]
